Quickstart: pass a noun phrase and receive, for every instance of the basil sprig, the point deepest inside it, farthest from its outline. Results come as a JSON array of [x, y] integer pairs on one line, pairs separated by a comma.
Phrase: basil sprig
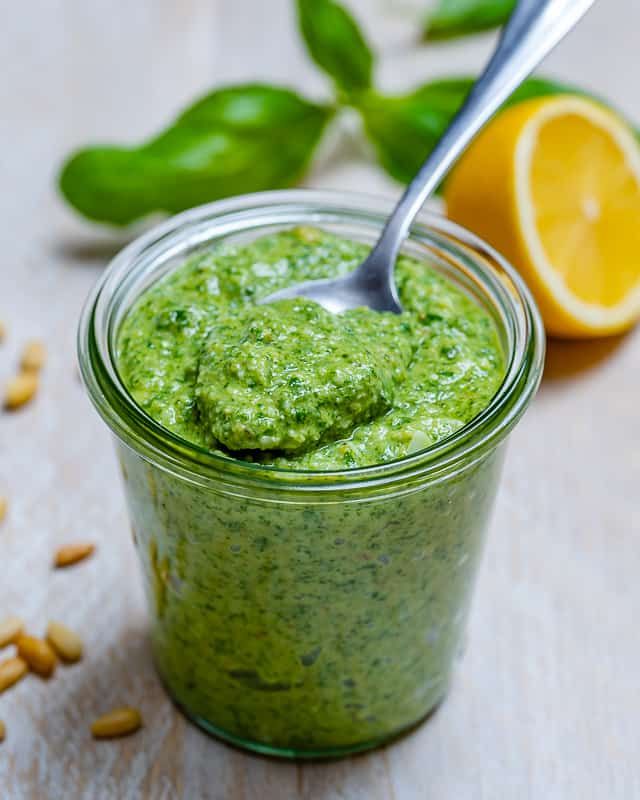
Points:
[[252, 137], [451, 18]]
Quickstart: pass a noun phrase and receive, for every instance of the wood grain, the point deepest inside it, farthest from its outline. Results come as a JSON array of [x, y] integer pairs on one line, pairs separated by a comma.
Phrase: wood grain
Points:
[[546, 702]]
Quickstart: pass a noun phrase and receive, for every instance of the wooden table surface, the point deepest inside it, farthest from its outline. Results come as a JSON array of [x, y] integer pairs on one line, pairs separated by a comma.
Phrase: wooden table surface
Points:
[[546, 703]]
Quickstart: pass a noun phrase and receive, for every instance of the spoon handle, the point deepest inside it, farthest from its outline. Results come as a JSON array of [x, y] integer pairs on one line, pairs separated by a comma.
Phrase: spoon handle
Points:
[[535, 27]]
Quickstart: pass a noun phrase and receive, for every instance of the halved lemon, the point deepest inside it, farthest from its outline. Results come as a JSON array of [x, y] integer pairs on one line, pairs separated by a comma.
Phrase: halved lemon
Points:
[[554, 185]]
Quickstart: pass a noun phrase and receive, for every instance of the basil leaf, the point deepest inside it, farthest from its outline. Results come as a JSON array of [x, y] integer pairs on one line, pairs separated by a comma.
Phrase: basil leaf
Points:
[[336, 44], [461, 17], [234, 140], [405, 129]]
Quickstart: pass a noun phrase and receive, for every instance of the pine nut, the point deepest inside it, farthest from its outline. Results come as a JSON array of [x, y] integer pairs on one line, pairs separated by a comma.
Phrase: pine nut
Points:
[[3, 507], [66, 643], [10, 630], [38, 654], [72, 553], [3, 330], [3, 731], [33, 356], [11, 670], [20, 390], [119, 722]]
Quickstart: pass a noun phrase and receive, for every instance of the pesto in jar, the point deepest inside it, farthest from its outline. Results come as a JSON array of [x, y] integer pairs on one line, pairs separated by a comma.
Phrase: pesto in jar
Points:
[[317, 625]]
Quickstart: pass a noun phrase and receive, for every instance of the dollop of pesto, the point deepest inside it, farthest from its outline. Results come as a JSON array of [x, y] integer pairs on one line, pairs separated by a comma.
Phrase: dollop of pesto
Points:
[[291, 385], [289, 375]]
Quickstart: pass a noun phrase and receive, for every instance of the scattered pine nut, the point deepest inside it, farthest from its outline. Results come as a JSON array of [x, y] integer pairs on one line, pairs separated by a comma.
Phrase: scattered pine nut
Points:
[[10, 630], [3, 507], [38, 654], [72, 553], [11, 670], [66, 643], [20, 390], [33, 356], [3, 731], [3, 330], [119, 722]]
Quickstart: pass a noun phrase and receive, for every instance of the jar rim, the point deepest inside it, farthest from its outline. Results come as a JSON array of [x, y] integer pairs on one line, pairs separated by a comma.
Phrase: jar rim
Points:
[[186, 231]]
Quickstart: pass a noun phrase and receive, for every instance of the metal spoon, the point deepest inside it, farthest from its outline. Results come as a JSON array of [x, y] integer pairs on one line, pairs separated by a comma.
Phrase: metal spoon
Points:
[[535, 27]]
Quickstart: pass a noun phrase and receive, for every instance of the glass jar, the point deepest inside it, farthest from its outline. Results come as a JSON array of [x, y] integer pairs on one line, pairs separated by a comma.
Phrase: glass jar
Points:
[[308, 614]]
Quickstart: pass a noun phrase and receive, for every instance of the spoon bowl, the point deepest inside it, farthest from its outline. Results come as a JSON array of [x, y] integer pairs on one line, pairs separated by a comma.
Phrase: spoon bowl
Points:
[[371, 284]]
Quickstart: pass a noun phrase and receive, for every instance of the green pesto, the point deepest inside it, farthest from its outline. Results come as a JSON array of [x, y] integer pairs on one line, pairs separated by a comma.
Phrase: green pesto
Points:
[[292, 385], [307, 625]]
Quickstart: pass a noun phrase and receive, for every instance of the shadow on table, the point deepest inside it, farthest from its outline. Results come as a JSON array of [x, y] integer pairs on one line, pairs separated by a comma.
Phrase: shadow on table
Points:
[[79, 251], [568, 358], [99, 246]]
